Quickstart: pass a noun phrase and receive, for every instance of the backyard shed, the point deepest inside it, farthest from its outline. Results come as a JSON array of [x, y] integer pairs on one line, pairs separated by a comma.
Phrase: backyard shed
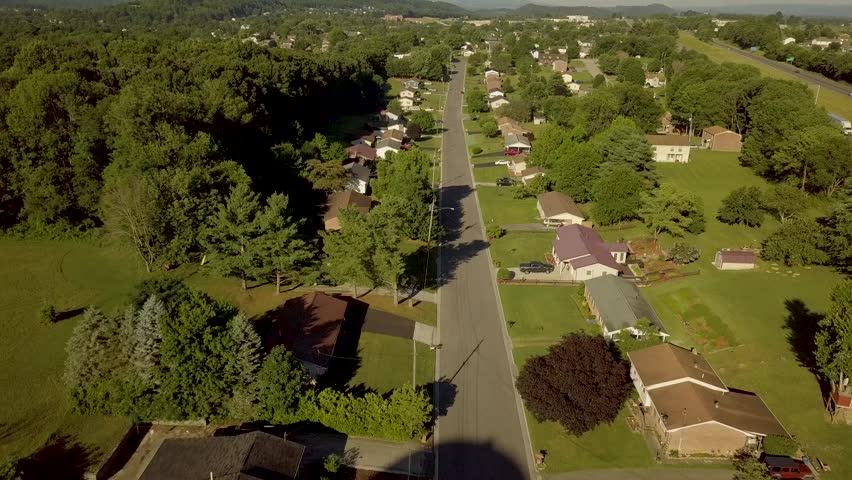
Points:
[[735, 260]]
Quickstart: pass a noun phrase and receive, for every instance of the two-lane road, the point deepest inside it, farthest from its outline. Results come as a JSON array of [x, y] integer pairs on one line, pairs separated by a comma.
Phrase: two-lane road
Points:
[[482, 434]]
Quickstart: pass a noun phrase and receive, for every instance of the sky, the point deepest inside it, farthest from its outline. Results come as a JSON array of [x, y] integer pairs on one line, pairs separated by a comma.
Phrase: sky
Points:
[[682, 4]]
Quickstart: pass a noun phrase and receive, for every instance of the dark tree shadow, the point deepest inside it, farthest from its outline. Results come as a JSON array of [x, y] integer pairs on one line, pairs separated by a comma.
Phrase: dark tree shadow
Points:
[[802, 325], [446, 395], [69, 314], [61, 457]]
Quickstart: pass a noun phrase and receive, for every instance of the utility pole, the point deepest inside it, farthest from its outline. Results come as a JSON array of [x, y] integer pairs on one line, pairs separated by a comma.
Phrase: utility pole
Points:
[[816, 99]]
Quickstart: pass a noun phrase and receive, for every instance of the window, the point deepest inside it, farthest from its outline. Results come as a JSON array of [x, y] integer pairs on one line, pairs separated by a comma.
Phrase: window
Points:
[[588, 273]]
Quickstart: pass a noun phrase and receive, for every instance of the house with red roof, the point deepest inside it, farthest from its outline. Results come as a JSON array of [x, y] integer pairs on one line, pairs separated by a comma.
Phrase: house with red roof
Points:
[[580, 254]]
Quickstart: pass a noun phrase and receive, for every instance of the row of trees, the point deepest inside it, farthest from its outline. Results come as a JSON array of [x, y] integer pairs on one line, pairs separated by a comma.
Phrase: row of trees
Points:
[[177, 354]]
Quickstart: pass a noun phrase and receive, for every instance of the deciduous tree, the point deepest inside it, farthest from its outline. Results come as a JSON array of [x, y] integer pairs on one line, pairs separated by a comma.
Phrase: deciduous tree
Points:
[[133, 210], [784, 201], [581, 382], [280, 383], [796, 242], [672, 210], [617, 196], [742, 205]]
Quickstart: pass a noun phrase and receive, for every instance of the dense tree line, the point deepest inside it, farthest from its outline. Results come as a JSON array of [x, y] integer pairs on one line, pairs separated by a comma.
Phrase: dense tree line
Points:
[[178, 354]]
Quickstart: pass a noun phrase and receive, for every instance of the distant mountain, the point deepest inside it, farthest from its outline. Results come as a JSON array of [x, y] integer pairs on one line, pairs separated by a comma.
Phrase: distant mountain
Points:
[[553, 11], [802, 10]]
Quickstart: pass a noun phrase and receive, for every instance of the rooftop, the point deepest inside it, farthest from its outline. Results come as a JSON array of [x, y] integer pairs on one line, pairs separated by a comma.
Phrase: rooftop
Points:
[[737, 256], [338, 201], [667, 362], [255, 455], [309, 327], [673, 140], [557, 203], [620, 303], [715, 130], [582, 246]]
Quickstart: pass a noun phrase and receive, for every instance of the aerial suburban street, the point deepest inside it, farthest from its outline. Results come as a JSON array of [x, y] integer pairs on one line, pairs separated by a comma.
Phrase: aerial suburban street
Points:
[[482, 434], [803, 75]]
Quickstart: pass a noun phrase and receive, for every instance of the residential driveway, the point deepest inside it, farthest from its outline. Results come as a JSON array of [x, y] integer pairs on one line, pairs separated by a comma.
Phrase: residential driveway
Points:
[[650, 474], [481, 433], [386, 323], [484, 164], [553, 276], [490, 155]]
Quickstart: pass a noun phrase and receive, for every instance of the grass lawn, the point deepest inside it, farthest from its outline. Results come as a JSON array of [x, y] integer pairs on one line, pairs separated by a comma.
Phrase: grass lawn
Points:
[[74, 275], [583, 77], [832, 101], [490, 174], [541, 314], [501, 208], [386, 362], [577, 63], [517, 247], [395, 86]]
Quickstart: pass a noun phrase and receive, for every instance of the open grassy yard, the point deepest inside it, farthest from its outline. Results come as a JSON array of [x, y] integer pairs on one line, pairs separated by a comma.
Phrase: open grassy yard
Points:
[[516, 247], [499, 207], [433, 99], [74, 275], [541, 314], [583, 77], [386, 362], [832, 101], [490, 174]]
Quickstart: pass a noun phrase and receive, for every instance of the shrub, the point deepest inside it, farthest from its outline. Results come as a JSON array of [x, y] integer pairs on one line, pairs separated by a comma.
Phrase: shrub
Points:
[[495, 231], [683, 253], [780, 445], [47, 314], [332, 462], [505, 274], [476, 149]]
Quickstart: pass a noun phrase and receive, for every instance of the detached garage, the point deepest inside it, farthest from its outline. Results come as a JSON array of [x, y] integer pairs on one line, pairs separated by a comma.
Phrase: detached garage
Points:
[[735, 260]]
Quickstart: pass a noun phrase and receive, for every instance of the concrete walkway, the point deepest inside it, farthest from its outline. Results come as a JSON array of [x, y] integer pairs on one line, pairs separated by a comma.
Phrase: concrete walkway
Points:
[[553, 276], [406, 458], [650, 474]]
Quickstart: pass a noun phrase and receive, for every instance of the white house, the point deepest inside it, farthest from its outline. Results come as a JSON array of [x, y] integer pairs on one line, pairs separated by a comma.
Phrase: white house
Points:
[[406, 103], [789, 40], [468, 53], [492, 73], [539, 120], [580, 254], [652, 81], [495, 92], [535, 54], [387, 145], [396, 125], [358, 177], [518, 143], [556, 209], [517, 163], [497, 102], [574, 87], [407, 93], [821, 42], [567, 78], [670, 148]]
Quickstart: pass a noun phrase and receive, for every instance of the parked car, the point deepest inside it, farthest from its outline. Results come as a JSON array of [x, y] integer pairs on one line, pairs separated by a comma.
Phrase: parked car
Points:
[[501, 162], [505, 182], [536, 267], [405, 146], [787, 468], [511, 153]]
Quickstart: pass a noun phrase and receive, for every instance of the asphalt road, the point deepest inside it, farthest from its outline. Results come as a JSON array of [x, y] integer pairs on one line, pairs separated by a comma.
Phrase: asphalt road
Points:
[[480, 433], [803, 75]]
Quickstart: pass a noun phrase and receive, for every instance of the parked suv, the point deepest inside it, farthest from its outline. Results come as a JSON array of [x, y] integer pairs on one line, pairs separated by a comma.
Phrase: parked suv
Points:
[[536, 267], [505, 182], [787, 468]]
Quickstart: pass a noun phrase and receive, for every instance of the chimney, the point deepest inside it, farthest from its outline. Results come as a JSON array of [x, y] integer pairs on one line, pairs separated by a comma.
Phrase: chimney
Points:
[[695, 364], [693, 350], [716, 404]]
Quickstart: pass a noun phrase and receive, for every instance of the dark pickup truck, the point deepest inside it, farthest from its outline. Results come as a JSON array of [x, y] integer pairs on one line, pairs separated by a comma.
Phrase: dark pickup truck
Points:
[[536, 267], [787, 468]]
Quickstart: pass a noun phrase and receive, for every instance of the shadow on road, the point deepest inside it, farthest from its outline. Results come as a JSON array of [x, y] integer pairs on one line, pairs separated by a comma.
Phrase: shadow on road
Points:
[[471, 460]]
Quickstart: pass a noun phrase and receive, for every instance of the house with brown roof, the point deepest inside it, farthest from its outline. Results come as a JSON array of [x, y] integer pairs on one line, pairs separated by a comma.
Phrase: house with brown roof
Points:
[[560, 66], [362, 152], [691, 409], [531, 173], [580, 254], [721, 139], [309, 327], [735, 260], [556, 209], [393, 134], [251, 455], [338, 201], [670, 148], [492, 74], [517, 143]]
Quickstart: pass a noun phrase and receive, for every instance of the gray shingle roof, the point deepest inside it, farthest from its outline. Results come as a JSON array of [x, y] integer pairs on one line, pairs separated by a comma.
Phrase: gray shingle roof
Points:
[[620, 303]]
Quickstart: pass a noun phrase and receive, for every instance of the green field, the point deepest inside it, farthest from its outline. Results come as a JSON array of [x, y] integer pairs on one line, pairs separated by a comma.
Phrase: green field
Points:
[[517, 247], [499, 207], [378, 352], [832, 101], [541, 314], [583, 77], [490, 174], [74, 275]]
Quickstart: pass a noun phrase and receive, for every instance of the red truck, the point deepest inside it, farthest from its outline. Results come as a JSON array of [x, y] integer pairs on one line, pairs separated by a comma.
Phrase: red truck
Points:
[[787, 468]]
